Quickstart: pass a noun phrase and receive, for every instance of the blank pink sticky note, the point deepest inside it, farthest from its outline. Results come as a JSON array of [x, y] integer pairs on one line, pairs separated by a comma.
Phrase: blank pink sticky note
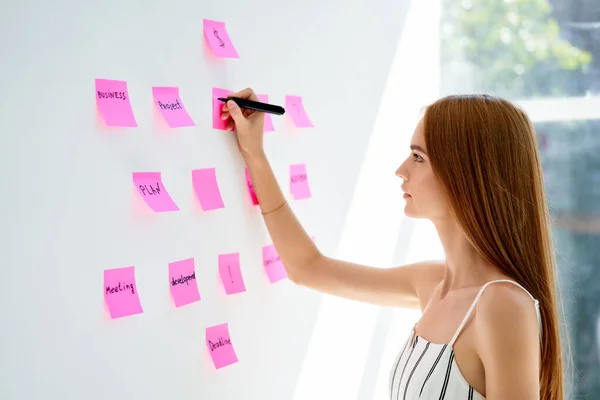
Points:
[[250, 186], [120, 292], [295, 109], [207, 190], [268, 120], [152, 190], [112, 98], [171, 107], [231, 274], [298, 182], [182, 282], [273, 265], [219, 345], [217, 104], [218, 39]]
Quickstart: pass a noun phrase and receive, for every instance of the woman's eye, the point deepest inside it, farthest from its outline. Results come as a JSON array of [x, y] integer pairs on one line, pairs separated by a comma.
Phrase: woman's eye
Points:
[[417, 157]]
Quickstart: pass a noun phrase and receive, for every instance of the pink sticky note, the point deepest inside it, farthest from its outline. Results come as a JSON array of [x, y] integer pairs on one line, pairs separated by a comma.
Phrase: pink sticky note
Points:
[[298, 182], [217, 104], [218, 39], [120, 292], [295, 108], [273, 265], [231, 274], [250, 186], [219, 345], [268, 120], [182, 282], [112, 98], [169, 103], [207, 189], [152, 190]]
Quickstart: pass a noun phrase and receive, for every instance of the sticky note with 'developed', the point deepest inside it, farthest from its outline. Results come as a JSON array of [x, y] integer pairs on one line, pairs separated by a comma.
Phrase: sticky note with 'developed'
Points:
[[112, 99], [219, 346], [207, 190], [182, 282], [120, 292], [152, 190]]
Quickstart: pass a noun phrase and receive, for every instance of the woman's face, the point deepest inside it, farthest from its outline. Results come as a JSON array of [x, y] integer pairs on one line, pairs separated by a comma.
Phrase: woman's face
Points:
[[425, 198]]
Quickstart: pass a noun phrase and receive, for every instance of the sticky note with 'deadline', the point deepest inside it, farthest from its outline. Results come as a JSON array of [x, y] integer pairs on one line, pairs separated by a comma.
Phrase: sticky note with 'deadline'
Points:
[[207, 190], [299, 182], [182, 282], [219, 346], [295, 109], [218, 39], [112, 99], [171, 107], [120, 292], [231, 273], [150, 187], [273, 265]]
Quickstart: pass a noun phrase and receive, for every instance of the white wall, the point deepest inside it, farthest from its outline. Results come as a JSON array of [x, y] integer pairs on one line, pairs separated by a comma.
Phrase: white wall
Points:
[[68, 207]]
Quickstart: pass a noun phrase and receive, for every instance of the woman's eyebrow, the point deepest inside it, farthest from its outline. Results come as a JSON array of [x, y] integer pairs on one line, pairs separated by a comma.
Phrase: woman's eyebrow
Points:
[[417, 147]]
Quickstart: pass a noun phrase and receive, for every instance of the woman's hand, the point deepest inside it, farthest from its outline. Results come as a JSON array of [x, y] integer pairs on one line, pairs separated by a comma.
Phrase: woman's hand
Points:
[[248, 124]]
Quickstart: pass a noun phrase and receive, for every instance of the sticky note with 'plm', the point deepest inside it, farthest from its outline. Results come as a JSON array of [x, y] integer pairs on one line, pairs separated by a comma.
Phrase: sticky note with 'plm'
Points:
[[299, 182], [152, 190], [171, 107], [219, 346], [120, 292], [206, 188], [273, 265], [231, 273], [218, 39], [182, 282], [112, 99]]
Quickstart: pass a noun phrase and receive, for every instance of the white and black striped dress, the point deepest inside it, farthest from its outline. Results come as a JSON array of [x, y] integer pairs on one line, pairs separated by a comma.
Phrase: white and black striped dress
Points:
[[428, 371]]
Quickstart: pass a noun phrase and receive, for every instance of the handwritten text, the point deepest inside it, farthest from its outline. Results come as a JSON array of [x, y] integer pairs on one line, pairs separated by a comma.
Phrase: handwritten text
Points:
[[183, 279]]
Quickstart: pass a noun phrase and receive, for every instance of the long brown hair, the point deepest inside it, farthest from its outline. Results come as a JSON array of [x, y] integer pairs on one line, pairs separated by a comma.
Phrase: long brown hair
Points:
[[483, 150]]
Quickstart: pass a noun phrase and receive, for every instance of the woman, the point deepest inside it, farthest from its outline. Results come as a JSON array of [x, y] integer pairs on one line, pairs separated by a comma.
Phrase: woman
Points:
[[489, 327]]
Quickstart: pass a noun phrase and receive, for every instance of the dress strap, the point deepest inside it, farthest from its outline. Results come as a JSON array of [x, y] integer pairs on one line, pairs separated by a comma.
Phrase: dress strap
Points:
[[466, 318]]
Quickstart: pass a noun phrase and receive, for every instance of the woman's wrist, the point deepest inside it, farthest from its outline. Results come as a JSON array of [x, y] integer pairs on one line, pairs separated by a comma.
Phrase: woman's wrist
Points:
[[253, 157]]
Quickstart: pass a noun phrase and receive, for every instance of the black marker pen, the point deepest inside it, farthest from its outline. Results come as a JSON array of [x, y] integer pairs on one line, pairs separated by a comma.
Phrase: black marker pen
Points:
[[255, 105]]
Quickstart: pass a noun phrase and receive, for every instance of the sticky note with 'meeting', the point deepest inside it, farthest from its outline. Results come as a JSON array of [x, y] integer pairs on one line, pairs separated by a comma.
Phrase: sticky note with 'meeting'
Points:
[[206, 188], [150, 186], [112, 99], [295, 109], [219, 346], [171, 107], [182, 282], [218, 39], [120, 292], [273, 265], [299, 182], [231, 273]]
